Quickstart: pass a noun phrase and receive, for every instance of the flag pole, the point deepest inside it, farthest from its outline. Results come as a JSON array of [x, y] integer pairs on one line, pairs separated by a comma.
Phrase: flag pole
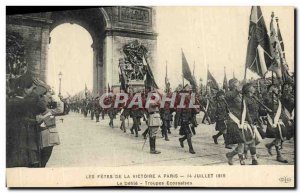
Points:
[[206, 90], [182, 70], [273, 96], [194, 69], [245, 73]]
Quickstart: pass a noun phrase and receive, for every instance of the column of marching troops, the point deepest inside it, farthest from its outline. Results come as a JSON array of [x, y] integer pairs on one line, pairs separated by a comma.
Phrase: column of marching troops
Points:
[[269, 113]]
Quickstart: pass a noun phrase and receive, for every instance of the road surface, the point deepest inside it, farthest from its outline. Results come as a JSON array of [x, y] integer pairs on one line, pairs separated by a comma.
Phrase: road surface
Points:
[[87, 143]]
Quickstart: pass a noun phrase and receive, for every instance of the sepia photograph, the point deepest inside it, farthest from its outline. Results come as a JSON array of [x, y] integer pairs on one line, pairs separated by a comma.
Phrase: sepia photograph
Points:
[[150, 96]]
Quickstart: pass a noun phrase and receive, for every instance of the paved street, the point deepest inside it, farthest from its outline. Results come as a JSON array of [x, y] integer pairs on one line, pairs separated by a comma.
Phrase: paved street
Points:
[[87, 143]]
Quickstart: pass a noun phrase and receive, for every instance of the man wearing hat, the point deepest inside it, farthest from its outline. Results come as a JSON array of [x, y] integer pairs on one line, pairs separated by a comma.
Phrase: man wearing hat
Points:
[[288, 102], [275, 127], [253, 119], [234, 135], [97, 108], [49, 136], [22, 134], [185, 122], [166, 116], [221, 116], [90, 107], [153, 122]]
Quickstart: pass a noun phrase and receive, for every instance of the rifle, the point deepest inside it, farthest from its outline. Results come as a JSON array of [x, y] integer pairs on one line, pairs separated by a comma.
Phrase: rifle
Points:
[[264, 106]]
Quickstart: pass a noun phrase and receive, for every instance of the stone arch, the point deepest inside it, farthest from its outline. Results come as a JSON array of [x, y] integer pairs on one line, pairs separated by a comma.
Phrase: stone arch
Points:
[[111, 27], [95, 21]]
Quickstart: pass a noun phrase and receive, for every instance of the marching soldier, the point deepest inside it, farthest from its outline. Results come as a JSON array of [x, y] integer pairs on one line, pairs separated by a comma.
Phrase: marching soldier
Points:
[[166, 116], [196, 111], [154, 123], [185, 129], [275, 126], [136, 114], [84, 109], [89, 107], [97, 108], [122, 119], [238, 132], [253, 119], [288, 102], [221, 116], [111, 111], [177, 112]]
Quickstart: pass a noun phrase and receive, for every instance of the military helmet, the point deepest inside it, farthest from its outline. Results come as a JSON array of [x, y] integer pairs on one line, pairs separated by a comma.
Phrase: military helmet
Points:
[[246, 87], [220, 93], [232, 81]]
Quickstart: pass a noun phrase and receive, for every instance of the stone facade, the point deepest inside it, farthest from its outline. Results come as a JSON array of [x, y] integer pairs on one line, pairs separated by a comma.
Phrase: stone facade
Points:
[[110, 27]]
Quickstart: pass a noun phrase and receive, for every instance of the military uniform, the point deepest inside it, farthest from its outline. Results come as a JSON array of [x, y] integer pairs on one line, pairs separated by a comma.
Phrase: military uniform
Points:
[[136, 115], [84, 109], [90, 107], [166, 116], [154, 123], [123, 116], [288, 102], [97, 109], [111, 111], [253, 119], [236, 135], [185, 130], [221, 117], [275, 127]]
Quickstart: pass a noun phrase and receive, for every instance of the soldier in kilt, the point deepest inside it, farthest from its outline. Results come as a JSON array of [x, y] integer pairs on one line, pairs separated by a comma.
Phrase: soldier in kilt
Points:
[[221, 116], [186, 119], [236, 134], [275, 128], [185, 130], [253, 119], [288, 102]]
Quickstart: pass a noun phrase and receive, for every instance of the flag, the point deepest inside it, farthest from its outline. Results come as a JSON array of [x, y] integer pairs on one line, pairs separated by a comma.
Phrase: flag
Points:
[[85, 91], [186, 72], [225, 82], [258, 57], [211, 81], [280, 38], [284, 66], [279, 64], [167, 83], [149, 82], [275, 50]]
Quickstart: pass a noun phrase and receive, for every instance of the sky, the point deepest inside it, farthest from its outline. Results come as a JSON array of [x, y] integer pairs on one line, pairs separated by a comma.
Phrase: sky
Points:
[[70, 53], [211, 37], [214, 38]]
